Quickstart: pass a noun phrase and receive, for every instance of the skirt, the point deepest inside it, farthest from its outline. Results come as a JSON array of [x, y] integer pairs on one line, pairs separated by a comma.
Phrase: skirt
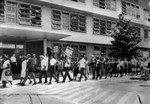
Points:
[[6, 75], [23, 73]]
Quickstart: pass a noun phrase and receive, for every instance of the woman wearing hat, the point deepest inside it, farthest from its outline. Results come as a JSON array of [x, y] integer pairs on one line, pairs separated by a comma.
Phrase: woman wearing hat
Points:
[[6, 73]]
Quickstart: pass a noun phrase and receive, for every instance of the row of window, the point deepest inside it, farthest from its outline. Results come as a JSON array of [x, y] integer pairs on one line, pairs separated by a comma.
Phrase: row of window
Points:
[[22, 13], [68, 21], [105, 4], [130, 9], [102, 27]]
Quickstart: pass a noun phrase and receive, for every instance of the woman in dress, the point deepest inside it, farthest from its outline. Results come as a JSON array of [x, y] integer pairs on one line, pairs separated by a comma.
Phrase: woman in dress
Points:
[[6, 73]]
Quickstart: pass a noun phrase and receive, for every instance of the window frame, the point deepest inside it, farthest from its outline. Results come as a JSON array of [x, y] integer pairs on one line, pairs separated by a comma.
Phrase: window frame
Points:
[[106, 32], [10, 15], [69, 21], [103, 4], [130, 11]]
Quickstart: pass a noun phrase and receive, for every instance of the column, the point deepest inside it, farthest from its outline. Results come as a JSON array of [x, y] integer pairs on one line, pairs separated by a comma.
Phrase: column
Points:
[[45, 46]]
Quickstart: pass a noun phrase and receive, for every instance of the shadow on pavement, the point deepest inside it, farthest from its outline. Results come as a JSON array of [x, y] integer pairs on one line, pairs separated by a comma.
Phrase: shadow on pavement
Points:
[[144, 85]]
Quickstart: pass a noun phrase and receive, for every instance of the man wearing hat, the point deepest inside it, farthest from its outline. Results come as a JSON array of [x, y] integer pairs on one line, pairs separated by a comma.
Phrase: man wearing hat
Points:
[[43, 70]]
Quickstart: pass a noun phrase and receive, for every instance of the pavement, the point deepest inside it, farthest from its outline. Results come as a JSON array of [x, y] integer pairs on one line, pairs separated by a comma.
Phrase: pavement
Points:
[[105, 91]]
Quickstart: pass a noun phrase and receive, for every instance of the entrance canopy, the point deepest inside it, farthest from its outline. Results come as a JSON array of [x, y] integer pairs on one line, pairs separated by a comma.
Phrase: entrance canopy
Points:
[[19, 34]]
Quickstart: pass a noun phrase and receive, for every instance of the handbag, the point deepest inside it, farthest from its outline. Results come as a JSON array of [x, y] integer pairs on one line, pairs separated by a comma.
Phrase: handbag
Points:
[[8, 73]]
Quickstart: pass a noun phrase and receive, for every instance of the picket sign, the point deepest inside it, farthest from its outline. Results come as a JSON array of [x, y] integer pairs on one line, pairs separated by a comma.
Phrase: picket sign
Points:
[[69, 51], [56, 49]]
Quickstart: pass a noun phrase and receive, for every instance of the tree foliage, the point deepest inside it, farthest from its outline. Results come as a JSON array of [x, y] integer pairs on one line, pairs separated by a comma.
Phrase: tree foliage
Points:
[[125, 40]]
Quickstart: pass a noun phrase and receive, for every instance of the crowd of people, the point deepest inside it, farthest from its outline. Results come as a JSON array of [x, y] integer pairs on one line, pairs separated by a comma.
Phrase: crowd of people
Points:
[[56, 67]]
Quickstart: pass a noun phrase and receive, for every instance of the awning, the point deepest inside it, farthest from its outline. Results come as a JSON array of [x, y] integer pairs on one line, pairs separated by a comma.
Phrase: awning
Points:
[[18, 34], [92, 39]]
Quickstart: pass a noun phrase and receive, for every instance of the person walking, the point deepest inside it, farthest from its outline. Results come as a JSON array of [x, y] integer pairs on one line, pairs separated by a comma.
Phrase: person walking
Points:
[[67, 68], [43, 70], [60, 67], [23, 71], [93, 64], [13, 62], [82, 64], [1, 65], [121, 67], [87, 72], [52, 69], [134, 65], [98, 69], [6, 73], [30, 70]]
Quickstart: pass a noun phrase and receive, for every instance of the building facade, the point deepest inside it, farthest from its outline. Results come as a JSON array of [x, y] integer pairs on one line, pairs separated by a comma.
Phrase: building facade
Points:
[[32, 26]]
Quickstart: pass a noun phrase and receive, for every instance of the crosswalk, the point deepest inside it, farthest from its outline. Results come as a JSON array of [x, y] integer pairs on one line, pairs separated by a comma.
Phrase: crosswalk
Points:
[[79, 94]]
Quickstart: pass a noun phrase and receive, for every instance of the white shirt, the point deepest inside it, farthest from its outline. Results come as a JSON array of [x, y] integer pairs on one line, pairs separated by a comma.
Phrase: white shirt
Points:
[[82, 63], [13, 59], [43, 64], [68, 63], [6, 64], [52, 62], [46, 59]]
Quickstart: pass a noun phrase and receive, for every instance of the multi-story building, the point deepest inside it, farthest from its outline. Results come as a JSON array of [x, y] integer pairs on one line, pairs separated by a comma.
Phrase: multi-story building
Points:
[[84, 25]]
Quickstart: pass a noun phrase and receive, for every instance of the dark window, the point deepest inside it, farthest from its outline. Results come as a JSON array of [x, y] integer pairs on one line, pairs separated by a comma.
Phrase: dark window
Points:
[[145, 33], [2, 11]]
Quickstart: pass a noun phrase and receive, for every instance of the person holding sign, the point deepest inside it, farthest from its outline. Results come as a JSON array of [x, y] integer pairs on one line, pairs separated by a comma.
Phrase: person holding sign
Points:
[[67, 67]]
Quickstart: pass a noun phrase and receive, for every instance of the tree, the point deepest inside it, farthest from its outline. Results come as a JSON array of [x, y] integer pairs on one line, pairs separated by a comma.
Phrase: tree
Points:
[[125, 40]]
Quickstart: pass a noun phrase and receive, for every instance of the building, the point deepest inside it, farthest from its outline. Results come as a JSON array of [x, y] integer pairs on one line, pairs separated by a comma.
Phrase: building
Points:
[[31, 26]]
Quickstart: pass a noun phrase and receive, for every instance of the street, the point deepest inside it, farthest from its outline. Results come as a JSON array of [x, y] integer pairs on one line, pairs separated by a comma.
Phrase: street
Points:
[[105, 91]]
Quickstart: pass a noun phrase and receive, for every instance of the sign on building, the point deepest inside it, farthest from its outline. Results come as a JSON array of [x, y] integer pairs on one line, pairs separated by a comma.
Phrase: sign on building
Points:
[[56, 49], [69, 51]]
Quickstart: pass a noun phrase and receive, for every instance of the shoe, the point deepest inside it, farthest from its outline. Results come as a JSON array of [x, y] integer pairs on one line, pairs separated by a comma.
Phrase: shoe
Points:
[[71, 80], [4, 86], [85, 79], [22, 84], [30, 82], [45, 82], [39, 82], [11, 83], [49, 83], [34, 83]]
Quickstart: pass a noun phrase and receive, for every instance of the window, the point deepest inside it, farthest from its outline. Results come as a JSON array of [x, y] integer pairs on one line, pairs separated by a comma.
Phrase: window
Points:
[[102, 27], [2, 11], [56, 19], [65, 21], [105, 4], [145, 33], [97, 51], [11, 12], [130, 9], [75, 51], [68, 21], [29, 14], [138, 30], [35, 16], [146, 14], [103, 52], [24, 14], [82, 1], [82, 50]]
